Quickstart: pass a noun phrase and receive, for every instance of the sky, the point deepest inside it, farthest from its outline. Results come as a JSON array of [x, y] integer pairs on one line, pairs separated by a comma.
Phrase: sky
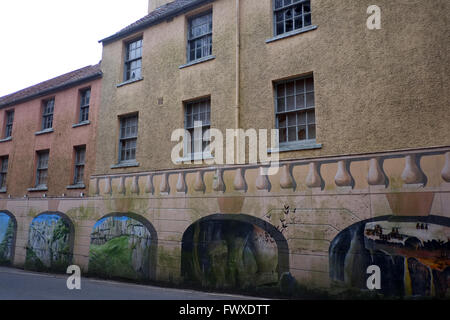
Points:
[[42, 39]]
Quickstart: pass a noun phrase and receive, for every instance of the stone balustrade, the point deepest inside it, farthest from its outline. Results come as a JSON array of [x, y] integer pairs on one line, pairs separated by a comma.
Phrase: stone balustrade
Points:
[[411, 175]]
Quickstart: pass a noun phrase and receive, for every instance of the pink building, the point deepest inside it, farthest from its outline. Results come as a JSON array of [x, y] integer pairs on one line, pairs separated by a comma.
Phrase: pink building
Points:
[[47, 138]]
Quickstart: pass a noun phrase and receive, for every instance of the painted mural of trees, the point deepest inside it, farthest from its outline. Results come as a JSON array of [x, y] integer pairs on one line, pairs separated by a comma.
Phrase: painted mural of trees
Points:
[[7, 229], [49, 244], [120, 248], [229, 254]]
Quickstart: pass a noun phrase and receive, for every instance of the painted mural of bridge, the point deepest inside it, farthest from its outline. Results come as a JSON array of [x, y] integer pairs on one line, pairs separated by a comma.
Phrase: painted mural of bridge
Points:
[[319, 222]]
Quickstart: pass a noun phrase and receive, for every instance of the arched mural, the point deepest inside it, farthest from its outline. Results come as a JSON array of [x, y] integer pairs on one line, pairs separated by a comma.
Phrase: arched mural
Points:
[[50, 243], [233, 251], [123, 246], [8, 227], [413, 255]]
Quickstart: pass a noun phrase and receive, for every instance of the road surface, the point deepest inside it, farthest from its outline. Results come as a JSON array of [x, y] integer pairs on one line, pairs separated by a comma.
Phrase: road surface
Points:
[[18, 284]]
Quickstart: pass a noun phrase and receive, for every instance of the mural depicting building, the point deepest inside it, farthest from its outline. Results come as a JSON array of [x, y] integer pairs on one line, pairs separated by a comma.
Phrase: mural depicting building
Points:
[[7, 236], [413, 255], [364, 170], [120, 247], [50, 243]]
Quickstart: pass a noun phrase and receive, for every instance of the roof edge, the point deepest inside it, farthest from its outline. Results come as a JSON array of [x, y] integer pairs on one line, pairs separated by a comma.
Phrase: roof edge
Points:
[[160, 19], [52, 90]]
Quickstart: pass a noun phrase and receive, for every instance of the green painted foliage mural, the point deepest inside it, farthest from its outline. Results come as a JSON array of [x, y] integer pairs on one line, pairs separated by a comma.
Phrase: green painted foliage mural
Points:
[[120, 248], [7, 229], [49, 244]]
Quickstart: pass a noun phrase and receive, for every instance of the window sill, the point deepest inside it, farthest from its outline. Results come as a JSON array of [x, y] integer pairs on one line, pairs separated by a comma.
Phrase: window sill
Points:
[[6, 139], [3, 190], [76, 186], [129, 82], [196, 157], [80, 124], [125, 165], [37, 189], [292, 33], [296, 147], [204, 59], [44, 132]]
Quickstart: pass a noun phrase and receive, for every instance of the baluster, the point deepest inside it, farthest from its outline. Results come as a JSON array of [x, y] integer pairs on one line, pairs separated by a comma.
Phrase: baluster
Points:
[[376, 177], [446, 170], [343, 178], [218, 184], [181, 183], [199, 184], [313, 180], [239, 180], [286, 180], [164, 185], [412, 174]]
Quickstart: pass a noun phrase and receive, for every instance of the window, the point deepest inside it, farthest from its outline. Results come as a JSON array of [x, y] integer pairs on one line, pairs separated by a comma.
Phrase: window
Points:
[[291, 15], [200, 37], [295, 113], [47, 115], [9, 123], [42, 168], [128, 138], [197, 122], [133, 60], [80, 155], [84, 105], [3, 172]]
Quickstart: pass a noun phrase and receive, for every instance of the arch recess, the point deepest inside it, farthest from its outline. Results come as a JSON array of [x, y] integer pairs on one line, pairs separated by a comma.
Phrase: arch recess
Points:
[[123, 245], [233, 251], [413, 254], [8, 233], [50, 242]]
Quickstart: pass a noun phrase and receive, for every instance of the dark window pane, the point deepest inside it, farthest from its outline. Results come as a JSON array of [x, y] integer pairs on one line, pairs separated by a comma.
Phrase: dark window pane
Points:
[[278, 4], [279, 17], [309, 100], [288, 14], [311, 132], [280, 90], [282, 134], [307, 18], [290, 88], [280, 105], [290, 103], [298, 23], [300, 101], [280, 28], [289, 25], [311, 117], [292, 119], [292, 133], [301, 118], [282, 121], [301, 133], [309, 84]]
